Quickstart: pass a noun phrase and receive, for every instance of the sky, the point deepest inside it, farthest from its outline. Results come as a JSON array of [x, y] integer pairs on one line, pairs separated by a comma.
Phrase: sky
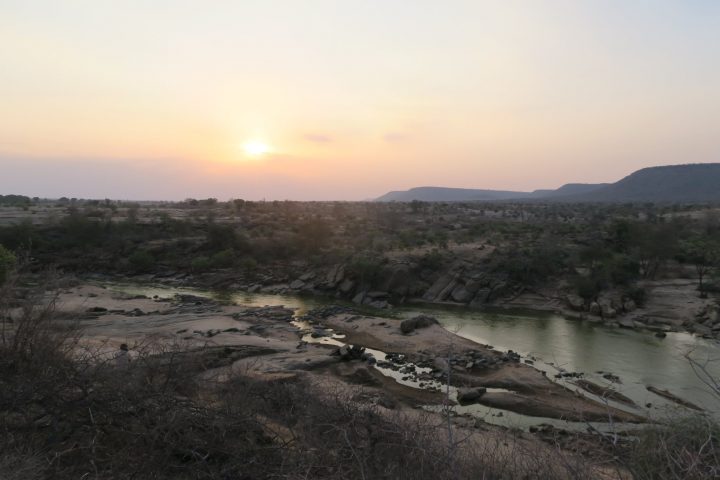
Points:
[[347, 99]]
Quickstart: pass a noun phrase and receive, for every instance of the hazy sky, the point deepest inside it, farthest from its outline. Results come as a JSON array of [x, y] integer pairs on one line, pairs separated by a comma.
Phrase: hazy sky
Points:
[[157, 99]]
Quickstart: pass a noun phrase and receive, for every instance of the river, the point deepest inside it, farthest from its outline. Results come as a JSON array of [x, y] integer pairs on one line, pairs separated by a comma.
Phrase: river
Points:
[[554, 344]]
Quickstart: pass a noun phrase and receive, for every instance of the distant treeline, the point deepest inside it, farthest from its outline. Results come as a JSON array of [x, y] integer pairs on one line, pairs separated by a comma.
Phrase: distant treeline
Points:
[[593, 248], [14, 200]]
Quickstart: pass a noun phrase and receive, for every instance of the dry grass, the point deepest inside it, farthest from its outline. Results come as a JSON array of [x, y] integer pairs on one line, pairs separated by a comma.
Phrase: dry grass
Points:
[[682, 449]]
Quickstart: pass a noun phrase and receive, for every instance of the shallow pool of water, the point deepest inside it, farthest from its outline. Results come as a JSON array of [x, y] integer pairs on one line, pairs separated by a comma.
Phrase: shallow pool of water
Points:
[[638, 358]]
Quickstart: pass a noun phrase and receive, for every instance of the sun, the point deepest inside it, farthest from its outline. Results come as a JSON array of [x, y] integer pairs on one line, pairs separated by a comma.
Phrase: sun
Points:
[[255, 148]]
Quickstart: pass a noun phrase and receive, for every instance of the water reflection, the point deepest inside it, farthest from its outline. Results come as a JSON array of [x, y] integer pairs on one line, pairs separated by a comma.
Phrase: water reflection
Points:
[[638, 358]]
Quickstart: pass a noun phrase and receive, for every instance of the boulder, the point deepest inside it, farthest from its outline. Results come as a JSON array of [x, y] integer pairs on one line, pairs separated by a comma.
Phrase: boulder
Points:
[[307, 276], [702, 330], [346, 286], [607, 309], [377, 295], [499, 290], [335, 275], [403, 290], [379, 304], [320, 333], [473, 286], [369, 358], [397, 279], [461, 295], [440, 286], [447, 291], [467, 396], [440, 364], [595, 309], [359, 298], [421, 321], [626, 323], [629, 305], [297, 284], [347, 353], [575, 302], [481, 296], [97, 310]]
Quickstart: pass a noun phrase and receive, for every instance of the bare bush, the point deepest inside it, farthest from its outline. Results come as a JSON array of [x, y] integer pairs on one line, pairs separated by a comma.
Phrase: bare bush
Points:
[[685, 448]]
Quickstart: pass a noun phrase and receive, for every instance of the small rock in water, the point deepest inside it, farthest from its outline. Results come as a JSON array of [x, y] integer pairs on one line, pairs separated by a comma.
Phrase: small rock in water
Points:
[[612, 378], [421, 321], [470, 395], [347, 353], [97, 310]]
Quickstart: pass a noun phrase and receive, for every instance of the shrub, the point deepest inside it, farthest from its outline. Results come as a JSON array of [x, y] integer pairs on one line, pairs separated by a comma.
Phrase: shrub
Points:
[[367, 270], [637, 295], [7, 262], [200, 264], [224, 259], [623, 270], [588, 287], [687, 448], [141, 261], [249, 264], [433, 261], [530, 266]]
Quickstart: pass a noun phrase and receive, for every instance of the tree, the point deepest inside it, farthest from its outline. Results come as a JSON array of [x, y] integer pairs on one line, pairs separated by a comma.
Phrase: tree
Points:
[[7, 262], [417, 206], [704, 253], [314, 234], [653, 246], [141, 261], [238, 204], [223, 237]]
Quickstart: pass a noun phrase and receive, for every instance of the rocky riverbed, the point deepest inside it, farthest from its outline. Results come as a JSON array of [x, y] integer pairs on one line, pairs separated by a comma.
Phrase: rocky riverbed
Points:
[[426, 354], [669, 304]]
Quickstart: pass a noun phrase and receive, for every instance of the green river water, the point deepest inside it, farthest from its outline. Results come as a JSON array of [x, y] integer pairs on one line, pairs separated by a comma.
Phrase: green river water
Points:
[[638, 358]]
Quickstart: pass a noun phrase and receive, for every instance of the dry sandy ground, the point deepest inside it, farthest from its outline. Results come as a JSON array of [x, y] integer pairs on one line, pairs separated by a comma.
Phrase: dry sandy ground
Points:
[[164, 321]]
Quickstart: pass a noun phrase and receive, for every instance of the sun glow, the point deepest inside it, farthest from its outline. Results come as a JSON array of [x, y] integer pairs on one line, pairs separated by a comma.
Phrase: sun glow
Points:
[[255, 148]]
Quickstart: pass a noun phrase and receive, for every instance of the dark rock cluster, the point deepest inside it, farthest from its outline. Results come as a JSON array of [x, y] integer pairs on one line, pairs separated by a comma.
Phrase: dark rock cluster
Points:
[[421, 321]]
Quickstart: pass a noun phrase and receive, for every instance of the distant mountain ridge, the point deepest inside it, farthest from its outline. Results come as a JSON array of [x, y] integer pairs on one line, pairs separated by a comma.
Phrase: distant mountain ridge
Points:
[[574, 189], [444, 194], [671, 184], [694, 183]]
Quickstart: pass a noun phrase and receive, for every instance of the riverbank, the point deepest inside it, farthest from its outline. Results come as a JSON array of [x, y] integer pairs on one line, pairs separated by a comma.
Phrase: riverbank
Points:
[[110, 318], [618, 360], [669, 305]]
